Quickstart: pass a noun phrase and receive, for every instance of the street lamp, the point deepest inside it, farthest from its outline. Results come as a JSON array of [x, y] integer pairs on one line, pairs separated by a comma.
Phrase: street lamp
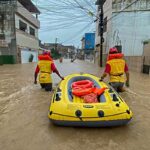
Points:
[[100, 3]]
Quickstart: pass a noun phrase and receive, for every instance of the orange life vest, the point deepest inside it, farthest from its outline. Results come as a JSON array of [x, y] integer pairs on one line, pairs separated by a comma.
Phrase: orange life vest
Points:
[[44, 57], [99, 91], [115, 56], [80, 91]]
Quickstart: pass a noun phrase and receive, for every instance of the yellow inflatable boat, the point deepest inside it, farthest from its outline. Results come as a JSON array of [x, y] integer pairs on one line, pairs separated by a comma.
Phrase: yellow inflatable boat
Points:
[[67, 109]]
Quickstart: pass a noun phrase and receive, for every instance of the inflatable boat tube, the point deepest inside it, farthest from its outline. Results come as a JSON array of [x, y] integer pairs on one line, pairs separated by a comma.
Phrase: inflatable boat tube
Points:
[[82, 84]]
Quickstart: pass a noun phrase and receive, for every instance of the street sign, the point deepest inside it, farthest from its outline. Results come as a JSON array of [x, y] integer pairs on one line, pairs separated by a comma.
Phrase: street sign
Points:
[[89, 41]]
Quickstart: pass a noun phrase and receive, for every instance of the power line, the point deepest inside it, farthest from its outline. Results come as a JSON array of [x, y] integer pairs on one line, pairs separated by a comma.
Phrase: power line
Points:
[[122, 10], [79, 32]]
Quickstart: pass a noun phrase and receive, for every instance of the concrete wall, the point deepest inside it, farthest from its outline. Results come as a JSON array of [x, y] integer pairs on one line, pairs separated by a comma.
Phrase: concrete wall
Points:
[[132, 29], [135, 63], [25, 54], [129, 29], [107, 34], [7, 29], [25, 40], [17, 18], [27, 15], [146, 54], [139, 5], [146, 51]]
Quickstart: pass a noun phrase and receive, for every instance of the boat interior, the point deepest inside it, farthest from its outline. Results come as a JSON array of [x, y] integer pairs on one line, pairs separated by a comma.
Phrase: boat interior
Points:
[[77, 99]]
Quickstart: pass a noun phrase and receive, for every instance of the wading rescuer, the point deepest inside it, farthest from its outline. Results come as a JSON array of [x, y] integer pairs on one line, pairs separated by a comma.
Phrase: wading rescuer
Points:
[[45, 67], [116, 67]]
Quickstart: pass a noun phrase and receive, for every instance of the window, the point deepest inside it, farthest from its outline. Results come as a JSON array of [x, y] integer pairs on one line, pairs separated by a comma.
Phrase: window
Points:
[[22, 26], [32, 31]]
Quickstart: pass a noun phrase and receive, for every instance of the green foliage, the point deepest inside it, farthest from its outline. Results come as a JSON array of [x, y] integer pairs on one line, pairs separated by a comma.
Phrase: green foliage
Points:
[[55, 54], [31, 58], [146, 42]]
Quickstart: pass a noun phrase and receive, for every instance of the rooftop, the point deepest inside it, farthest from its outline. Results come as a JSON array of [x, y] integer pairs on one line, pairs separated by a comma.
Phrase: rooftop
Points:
[[29, 6]]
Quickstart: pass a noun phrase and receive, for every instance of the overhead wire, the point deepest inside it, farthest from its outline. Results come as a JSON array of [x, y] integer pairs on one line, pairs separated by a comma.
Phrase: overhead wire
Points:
[[67, 14], [87, 10], [59, 10], [118, 12], [79, 33]]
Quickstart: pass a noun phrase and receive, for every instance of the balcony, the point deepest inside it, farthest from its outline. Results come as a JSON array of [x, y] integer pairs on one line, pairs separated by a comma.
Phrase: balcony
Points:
[[22, 11]]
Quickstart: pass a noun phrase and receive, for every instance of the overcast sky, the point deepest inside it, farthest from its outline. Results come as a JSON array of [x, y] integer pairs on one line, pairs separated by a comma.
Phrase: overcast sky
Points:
[[66, 20]]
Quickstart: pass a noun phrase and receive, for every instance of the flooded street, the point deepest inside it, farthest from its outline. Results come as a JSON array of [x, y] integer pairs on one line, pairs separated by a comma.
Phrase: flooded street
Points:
[[24, 124]]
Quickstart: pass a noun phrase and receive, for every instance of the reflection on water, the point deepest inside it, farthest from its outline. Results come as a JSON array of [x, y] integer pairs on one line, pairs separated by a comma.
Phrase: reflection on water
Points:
[[24, 106]]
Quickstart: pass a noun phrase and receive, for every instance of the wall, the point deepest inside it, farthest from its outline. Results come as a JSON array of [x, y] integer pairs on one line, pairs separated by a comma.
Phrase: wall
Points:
[[146, 54], [17, 18], [132, 29], [25, 54], [129, 28], [25, 40], [107, 41], [139, 5], [27, 15], [135, 63], [146, 51], [7, 32], [108, 14]]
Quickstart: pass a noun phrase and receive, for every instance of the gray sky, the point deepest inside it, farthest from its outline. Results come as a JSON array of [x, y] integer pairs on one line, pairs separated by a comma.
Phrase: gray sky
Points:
[[66, 20]]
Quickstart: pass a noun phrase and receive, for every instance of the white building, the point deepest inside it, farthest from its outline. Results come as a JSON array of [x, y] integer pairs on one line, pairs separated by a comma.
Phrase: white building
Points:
[[128, 25], [27, 26]]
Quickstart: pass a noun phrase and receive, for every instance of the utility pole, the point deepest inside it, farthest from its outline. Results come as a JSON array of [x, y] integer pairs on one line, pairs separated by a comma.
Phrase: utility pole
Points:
[[100, 4], [55, 44]]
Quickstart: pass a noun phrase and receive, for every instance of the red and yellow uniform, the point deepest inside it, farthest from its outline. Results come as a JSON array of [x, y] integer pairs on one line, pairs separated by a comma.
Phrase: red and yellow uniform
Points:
[[45, 68], [116, 69]]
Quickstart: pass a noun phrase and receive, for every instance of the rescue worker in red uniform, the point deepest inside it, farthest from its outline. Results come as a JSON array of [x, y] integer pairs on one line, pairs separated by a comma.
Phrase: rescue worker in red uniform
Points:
[[45, 67], [116, 67]]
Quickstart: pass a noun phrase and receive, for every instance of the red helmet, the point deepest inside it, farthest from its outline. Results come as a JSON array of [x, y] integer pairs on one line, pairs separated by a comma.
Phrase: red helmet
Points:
[[47, 53], [113, 50], [44, 52]]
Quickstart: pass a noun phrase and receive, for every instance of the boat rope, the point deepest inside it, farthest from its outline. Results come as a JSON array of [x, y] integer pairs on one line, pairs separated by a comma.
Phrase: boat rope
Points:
[[88, 117]]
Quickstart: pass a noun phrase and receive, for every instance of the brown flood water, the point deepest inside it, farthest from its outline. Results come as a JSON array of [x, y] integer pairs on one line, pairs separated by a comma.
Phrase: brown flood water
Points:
[[24, 124]]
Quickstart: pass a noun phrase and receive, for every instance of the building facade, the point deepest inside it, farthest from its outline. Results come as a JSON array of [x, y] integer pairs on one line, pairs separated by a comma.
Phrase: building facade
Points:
[[128, 28], [21, 30], [63, 50], [7, 32]]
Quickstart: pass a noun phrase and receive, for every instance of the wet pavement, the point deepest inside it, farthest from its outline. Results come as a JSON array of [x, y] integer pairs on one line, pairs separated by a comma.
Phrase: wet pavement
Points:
[[24, 124]]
